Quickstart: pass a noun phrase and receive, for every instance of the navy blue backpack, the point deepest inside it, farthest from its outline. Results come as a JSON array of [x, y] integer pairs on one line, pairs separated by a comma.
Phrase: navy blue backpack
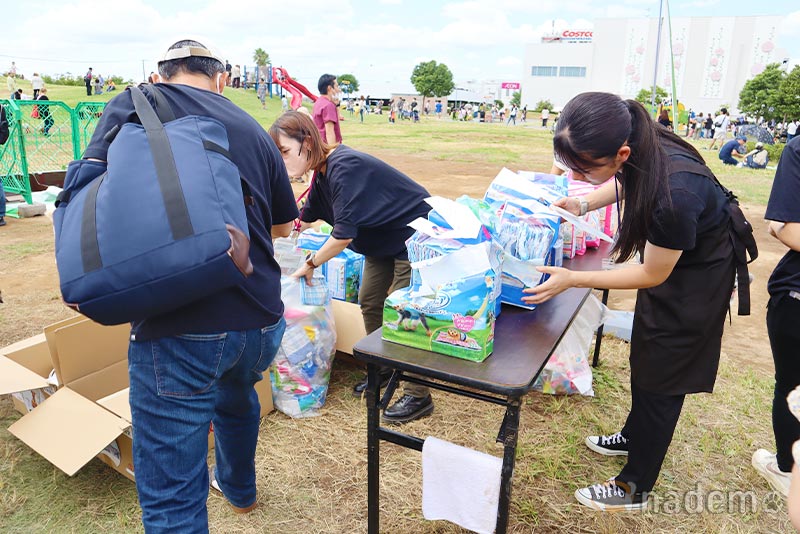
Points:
[[160, 225]]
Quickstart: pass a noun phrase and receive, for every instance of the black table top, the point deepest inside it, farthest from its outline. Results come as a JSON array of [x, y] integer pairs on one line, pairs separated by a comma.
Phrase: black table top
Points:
[[524, 341]]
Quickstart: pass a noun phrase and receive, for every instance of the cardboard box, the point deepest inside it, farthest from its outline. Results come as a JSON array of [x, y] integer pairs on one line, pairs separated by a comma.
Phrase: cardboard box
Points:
[[349, 325], [88, 415]]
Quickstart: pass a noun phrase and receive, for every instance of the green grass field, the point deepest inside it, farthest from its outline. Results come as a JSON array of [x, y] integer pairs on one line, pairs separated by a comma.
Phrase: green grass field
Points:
[[312, 473]]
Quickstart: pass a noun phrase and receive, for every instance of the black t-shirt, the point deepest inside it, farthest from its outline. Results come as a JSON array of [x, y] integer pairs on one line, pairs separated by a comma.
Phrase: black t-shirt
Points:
[[257, 301], [367, 201], [695, 207], [784, 206]]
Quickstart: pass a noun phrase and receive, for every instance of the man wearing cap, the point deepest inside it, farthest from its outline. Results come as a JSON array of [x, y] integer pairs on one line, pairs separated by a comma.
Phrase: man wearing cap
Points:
[[198, 365], [732, 149]]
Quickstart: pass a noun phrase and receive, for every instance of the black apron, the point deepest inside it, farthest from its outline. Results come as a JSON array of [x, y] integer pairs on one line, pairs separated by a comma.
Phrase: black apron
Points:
[[677, 326]]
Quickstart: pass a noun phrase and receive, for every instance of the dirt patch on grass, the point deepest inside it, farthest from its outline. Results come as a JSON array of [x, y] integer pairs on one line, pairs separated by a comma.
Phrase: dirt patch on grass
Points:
[[312, 472]]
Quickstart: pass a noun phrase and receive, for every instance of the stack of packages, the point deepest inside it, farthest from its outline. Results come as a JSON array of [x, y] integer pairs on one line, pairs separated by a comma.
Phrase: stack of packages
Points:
[[302, 366], [452, 303], [526, 230], [343, 272], [576, 241]]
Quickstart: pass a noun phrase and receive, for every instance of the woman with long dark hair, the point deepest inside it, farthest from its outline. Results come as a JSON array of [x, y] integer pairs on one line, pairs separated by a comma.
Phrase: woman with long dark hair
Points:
[[676, 217], [369, 204]]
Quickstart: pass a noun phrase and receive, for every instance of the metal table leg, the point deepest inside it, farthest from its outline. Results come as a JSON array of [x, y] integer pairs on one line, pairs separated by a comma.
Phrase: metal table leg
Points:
[[511, 424], [599, 337], [373, 449]]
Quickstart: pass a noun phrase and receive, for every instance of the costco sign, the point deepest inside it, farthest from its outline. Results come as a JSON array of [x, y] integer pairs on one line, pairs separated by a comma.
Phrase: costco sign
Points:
[[570, 36]]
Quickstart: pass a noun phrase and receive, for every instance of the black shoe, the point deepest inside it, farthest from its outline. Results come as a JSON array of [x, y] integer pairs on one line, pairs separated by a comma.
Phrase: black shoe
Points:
[[361, 387], [2, 221], [408, 409], [613, 445]]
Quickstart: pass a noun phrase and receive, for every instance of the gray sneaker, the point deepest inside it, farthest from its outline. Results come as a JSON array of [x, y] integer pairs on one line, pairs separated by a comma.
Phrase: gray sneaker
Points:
[[613, 445], [611, 497]]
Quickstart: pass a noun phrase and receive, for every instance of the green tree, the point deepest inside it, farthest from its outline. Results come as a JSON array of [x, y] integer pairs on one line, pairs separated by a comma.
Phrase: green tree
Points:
[[499, 104], [260, 57], [645, 95], [432, 79], [788, 99], [543, 104], [516, 98], [760, 95], [348, 80]]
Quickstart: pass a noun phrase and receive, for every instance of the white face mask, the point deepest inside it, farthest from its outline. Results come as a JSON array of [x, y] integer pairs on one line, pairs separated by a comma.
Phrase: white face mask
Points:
[[219, 86]]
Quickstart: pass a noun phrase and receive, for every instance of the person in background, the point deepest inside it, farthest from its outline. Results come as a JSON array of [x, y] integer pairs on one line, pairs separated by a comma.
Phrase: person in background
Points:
[[791, 129], [369, 204], [199, 364], [663, 119], [87, 80], [783, 311], [45, 114], [732, 149], [3, 140], [708, 126], [679, 222], [325, 112], [36, 84], [236, 73], [757, 158], [545, 117], [698, 127], [284, 103], [111, 86], [721, 124], [261, 93]]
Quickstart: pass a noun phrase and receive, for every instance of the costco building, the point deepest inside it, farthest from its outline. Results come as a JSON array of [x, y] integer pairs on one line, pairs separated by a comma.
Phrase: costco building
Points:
[[714, 57]]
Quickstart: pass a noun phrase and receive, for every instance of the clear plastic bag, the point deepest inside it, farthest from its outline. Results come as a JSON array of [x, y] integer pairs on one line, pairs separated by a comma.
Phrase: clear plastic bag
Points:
[[569, 372], [301, 370]]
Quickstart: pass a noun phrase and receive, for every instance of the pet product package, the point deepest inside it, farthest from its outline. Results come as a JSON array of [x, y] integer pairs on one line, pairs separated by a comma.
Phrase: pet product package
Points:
[[343, 272]]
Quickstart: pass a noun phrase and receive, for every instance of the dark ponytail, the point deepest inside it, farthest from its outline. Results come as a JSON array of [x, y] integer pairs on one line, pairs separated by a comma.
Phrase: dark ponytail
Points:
[[590, 131]]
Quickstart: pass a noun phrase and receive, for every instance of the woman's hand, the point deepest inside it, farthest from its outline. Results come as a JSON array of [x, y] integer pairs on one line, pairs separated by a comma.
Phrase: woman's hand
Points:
[[560, 280], [570, 204], [305, 271]]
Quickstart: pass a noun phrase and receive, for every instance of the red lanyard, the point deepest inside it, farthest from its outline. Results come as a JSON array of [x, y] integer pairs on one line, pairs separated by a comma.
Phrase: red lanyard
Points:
[[300, 199]]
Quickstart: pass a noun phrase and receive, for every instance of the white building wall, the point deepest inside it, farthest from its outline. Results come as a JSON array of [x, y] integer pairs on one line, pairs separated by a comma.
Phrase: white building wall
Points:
[[714, 57]]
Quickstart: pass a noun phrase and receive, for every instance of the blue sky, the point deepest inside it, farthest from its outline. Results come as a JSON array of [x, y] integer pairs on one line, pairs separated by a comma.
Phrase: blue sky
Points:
[[379, 41]]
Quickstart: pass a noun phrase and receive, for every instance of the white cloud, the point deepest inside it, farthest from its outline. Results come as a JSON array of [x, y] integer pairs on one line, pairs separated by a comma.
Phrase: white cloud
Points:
[[509, 61]]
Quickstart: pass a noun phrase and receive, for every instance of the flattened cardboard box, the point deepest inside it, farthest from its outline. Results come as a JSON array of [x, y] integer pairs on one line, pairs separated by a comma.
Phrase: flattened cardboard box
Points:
[[89, 413]]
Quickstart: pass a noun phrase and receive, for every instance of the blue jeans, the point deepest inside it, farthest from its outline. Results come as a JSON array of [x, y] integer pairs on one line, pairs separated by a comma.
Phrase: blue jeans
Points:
[[728, 160], [178, 386]]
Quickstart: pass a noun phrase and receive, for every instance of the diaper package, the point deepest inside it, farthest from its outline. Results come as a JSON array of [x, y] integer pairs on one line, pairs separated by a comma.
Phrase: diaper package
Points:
[[452, 303]]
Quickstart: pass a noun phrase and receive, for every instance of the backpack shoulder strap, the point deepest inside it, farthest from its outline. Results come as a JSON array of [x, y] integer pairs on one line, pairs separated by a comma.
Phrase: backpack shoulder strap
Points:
[[163, 109]]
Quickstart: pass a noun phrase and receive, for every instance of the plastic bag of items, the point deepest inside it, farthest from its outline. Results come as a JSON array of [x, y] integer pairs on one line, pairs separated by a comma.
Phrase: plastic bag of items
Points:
[[301, 370], [569, 372]]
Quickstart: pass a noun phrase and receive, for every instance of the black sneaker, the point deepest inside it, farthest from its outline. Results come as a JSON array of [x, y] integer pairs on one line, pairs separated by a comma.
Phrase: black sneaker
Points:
[[613, 445], [408, 409], [2, 221], [611, 496], [361, 387]]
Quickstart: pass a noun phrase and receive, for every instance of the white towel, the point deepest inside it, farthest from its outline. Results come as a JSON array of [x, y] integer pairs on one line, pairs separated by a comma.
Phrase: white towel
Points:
[[460, 485]]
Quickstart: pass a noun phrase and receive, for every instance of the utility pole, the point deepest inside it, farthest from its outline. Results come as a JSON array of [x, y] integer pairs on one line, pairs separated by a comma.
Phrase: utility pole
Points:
[[144, 76], [655, 68]]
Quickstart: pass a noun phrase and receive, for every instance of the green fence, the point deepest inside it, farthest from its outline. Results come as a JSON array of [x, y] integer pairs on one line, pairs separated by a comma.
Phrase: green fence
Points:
[[45, 135]]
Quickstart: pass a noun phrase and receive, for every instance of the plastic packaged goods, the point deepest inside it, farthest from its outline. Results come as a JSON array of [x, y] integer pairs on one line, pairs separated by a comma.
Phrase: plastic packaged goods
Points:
[[301, 370]]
